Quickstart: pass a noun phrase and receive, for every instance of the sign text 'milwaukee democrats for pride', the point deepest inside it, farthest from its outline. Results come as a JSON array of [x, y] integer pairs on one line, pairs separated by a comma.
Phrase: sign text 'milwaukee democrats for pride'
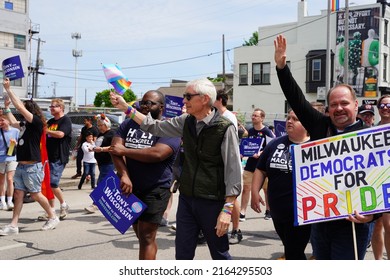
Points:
[[337, 175]]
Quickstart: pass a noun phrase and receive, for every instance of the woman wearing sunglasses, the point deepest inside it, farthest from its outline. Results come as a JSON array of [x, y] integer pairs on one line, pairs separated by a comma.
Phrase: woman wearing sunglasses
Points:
[[380, 239]]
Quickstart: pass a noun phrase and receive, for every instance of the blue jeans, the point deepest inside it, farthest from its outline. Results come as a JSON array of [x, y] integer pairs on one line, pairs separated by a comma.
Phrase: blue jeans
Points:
[[334, 240], [89, 169], [104, 170], [56, 170], [29, 177]]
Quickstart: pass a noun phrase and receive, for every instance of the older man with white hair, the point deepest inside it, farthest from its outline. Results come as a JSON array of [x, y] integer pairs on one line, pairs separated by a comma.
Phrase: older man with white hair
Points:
[[211, 177]]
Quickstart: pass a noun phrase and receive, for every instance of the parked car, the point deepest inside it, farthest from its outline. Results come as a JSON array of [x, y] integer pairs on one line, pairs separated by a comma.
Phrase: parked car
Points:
[[78, 118]]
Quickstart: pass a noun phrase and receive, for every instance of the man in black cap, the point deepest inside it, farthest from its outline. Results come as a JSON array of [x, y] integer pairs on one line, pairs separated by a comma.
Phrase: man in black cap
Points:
[[366, 112]]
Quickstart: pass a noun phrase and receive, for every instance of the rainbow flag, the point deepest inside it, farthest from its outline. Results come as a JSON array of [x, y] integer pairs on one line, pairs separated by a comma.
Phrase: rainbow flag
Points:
[[335, 5], [116, 78]]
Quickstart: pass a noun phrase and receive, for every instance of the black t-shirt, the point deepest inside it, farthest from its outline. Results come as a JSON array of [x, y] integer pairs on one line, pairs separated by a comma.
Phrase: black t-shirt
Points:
[[29, 142], [58, 148], [104, 140], [253, 133], [277, 163]]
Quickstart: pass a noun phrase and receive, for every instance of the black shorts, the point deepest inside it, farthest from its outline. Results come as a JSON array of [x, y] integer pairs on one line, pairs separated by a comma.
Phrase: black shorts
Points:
[[157, 201]]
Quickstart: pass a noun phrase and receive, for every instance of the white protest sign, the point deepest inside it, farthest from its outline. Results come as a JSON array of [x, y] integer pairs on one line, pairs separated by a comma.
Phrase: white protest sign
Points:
[[337, 175]]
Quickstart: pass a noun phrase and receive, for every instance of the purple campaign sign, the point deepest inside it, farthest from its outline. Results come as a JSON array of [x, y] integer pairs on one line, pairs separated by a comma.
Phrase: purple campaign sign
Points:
[[12, 68], [119, 210], [250, 146], [280, 128], [173, 106]]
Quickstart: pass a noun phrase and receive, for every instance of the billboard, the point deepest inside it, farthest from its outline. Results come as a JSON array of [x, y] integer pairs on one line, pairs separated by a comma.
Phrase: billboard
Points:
[[363, 50]]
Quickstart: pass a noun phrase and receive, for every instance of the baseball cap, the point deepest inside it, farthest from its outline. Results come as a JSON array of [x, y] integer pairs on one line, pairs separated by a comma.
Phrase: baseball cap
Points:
[[366, 108]]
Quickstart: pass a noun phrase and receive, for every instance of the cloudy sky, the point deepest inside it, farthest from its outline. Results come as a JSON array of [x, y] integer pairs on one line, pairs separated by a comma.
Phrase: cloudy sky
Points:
[[153, 41]]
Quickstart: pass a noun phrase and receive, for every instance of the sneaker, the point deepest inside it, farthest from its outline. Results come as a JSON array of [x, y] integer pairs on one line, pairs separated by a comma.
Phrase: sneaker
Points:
[[43, 217], [267, 215], [164, 222], [51, 224], [235, 237], [64, 212], [9, 230], [3, 206], [91, 209], [10, 205], [76, 176], [173, 226], [242, 218]]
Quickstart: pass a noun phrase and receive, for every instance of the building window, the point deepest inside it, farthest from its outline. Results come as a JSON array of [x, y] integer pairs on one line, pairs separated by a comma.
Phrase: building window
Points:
[[8, 5], [243, 74], [19, 42], [316, 70], [261, 73], [385, 67], [385, 32]]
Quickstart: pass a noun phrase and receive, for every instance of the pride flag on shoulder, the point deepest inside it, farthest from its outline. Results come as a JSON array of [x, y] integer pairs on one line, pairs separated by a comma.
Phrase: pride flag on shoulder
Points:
[[116, 78]]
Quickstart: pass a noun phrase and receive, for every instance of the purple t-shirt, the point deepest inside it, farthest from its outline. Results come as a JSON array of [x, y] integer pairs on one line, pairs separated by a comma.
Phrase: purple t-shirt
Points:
[[146, 176]]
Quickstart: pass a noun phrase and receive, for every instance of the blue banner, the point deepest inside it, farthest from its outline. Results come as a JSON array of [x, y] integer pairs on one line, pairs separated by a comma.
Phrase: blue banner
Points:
[[251, 146], [120, 210], [173, 105], [280, 128], [12, 68]]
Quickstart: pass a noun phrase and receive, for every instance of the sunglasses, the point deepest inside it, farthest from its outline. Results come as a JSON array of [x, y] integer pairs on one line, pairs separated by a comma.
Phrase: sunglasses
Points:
[[188, 96], [54, 106], [384, 105], [148, 103]]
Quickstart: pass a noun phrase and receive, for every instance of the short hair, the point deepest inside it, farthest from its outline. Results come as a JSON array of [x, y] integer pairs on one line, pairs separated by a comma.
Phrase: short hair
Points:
[[204, 86], [59, 102], [351, 90], [221, 95], [161, 95], [104, 119], [262, 113], [381, 98]]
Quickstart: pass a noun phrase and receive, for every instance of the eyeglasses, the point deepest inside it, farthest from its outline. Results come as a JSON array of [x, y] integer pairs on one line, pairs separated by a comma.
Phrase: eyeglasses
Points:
[[188, 96], [54, 106], [148, 103], [384, 105]]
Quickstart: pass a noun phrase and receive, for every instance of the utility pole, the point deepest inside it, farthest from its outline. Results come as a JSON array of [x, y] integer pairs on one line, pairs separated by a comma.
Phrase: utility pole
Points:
[[76, 54], [54, 89], [223, 62], [36, 71], [346, 42], [328, 62]]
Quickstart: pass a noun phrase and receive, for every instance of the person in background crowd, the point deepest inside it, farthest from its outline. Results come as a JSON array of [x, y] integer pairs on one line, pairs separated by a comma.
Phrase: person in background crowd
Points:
[[381, 233], [88, 127], [89, 160], [280, 188], [211, 176], [366, 112], [8, 163], [29, 172], [258, 130], [332, 239], [102, 156], [144, 164], [59, 136], [221, 105]]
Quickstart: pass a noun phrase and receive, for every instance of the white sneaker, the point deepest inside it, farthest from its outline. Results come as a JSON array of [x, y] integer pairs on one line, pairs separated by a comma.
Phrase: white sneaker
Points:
[[9, 230], [10, 205], [91, 209], [3, 206], [51, 224], [64, 212]]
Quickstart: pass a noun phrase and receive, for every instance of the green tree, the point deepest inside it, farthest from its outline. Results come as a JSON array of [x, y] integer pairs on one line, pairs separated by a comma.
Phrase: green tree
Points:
[[104, 97], [253, 41]]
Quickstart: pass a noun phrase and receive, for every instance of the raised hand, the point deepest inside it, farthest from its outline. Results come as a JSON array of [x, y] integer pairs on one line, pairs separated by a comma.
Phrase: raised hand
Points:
[[280, 44]]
